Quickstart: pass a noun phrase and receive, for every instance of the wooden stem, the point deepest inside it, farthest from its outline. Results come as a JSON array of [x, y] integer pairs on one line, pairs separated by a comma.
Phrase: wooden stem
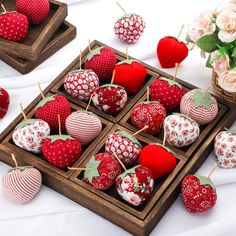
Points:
[[127, 55], [22, 111], [14, 159], [41, 91], [121, 8], [59, 124], [80, 60], [182, 27], [89, 46], [4, 9], [176, 70], [148, 93], [141, 130], [164, 137], [212, 170], [90, 99], [113, 76], [121, 163], [78, 168]]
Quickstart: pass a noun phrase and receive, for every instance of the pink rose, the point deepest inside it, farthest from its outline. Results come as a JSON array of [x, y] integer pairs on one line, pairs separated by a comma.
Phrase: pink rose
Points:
[[132, 198], [227, 81], [127, 183]]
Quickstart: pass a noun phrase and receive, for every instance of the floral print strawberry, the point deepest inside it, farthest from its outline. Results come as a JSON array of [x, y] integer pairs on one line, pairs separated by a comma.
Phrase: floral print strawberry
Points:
[[109, 98], [225, 148], [180, 130], [125, 145], [101, 171], [4, 102], [135, 185]]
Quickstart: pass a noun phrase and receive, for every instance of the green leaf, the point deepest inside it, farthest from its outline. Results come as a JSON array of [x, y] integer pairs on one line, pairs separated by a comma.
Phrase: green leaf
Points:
[[171, 82], [167, 149], [46, 100], [185, 116], [234, 52], [20, 168], [92, 171], [208, 43], [111, 85], [129, 171], [94, 52], [202, 99], [62, 137], [208, 62], [25, 123], [127, 16], [129, 136], [205, 181], [126, 62]]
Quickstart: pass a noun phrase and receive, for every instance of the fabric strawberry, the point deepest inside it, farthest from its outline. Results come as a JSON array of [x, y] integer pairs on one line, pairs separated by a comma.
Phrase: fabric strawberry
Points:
[[35, 10], [4, 102], [130, 74], [168, 92], [171, 51], [198, 193], [49, 109], [81, 84], [126, 146], [109, 98], [129, 28], [61, 150], [13, 26], [150, 113], [102, 61], [135, 185], [102, 170]]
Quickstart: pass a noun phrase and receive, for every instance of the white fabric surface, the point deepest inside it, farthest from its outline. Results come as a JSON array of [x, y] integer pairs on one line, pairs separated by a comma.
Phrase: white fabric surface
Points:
[[52, 214]]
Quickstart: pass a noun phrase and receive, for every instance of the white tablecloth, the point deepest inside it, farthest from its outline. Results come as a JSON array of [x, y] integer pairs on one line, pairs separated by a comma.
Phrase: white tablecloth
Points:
[[52, 214]]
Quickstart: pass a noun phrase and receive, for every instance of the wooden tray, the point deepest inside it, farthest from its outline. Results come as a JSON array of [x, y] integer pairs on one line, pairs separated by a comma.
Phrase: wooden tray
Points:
[[137, 220], [65, 34], [38, 36]]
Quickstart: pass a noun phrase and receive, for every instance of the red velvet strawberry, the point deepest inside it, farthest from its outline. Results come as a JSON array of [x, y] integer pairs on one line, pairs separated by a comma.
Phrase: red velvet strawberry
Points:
[[150, 113], [110, 98], [61, 150], [168, 92], [49, 109], [198, 193], [4, 102], [13, 26], [35, 10], [102, 170], [171, 51], [102, 61], [126, 146], [130, 74]]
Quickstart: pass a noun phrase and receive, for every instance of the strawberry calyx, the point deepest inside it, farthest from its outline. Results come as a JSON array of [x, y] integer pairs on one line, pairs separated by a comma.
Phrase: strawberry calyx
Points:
[[202, 98], [25, 123], [94, 52], [92, 169], [149, 102], [129, 171], [129, 136], [63, 137], [186, 117], [171, 82], [6, 12], [205, 181], [127, 61], [20, 168], [233, 132], [127, 16], [111, 85], [45, 101], [87, 112], [161, 145]]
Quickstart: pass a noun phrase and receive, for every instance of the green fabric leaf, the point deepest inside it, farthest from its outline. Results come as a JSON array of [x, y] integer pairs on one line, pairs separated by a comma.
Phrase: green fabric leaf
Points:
[[129, 136], [62, 137], [127, 16], [202, 99], [171, 82], [185, 116], [129, 171], [94, 52], [208, 43], [233, 132], [234, 52], [20, 168], [158, 144], [93, 171], [25, 123], [127, 62], [205, 181], [46, 100], [208, 62], [111, 85]]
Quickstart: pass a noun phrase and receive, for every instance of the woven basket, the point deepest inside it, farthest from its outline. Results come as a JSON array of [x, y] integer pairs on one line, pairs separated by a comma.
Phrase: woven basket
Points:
[[220, 91]]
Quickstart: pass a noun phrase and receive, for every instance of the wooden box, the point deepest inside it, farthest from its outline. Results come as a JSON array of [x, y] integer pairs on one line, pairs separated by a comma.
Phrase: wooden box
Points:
[[38, 35], [65, 34]]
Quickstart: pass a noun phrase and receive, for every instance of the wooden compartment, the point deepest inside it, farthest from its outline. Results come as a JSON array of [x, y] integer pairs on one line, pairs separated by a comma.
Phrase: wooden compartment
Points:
[[65, 34], [38, 35], [59, 87]]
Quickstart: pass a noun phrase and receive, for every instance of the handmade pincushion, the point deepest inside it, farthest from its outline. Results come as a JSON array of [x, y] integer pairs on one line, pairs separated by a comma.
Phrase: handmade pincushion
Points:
[[180, 130], [135, 185], [150, 113], [81, 84], [225, 149], [159, 159], [84, 126], [102, 170], [4, 102], [126, 146], [199, 105]]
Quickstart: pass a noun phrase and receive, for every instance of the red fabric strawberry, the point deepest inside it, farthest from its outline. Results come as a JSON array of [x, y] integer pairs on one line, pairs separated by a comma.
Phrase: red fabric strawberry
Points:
[[35, 10], [4, 102], [130, 74], [49, 109], [198, 193], [168, 92], [110, 98], [150, 113], [171, 51], [159, 159], [61, 150], [102, 171], [13, 26], [102, 61], [126, 146]]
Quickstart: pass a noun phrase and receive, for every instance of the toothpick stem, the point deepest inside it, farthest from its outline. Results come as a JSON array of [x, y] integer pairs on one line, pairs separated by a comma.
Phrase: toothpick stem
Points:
[[4, 9], [14, 159], [182, 27], [148, 93], [113, 76], [80, 60], [212, 170], [78, 168], [59, 124], [41, 91], [22, 111], [176, 70], [164, 137], [90, 99], [89, 46], [121, 8], [126, 51], [141, 130], [121, 163]]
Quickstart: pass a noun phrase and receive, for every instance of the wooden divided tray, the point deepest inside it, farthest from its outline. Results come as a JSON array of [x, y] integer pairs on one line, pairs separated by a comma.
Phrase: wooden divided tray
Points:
[[65, 34], [137, 220], [38, 35]]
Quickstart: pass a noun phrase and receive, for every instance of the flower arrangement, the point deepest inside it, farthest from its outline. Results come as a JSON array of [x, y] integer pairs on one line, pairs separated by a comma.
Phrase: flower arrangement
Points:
[[214, 32]]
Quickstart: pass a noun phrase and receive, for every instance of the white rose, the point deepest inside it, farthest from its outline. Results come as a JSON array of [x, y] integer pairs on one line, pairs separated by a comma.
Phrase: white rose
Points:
[[132, 198], [227, 81]]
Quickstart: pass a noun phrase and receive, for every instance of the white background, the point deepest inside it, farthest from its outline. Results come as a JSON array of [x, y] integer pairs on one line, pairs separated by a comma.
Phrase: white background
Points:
[[52, 214]]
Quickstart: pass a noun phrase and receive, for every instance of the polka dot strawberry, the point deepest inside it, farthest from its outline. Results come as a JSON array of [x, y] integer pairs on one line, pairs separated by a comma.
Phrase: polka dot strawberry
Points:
[[81, 84], [126, 146], [102, 170], [150, 113], [110, 98], [50, 107], [102, 61], [13, 26], [4, 102], [135, 185], [168, 92]]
